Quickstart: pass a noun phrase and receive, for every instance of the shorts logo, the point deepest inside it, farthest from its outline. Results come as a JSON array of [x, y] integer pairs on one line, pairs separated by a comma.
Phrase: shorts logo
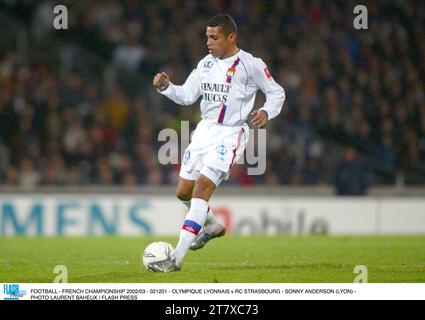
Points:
[[186, 156], [208, 64], [221, 149]]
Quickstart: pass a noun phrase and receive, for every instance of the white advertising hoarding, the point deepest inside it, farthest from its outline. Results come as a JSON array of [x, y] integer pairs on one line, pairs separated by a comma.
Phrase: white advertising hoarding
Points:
[[87, 215]]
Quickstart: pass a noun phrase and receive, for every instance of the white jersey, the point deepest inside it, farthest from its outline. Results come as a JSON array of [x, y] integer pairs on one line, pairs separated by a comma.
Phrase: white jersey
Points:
[[228, 88]]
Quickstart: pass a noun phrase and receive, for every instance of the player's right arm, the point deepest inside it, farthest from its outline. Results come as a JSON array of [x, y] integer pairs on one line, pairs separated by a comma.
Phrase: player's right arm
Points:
[[185, 94]]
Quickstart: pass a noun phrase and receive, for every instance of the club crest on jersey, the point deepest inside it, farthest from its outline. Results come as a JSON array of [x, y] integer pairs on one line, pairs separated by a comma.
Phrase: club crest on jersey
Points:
[[221, 149], [232, 70]]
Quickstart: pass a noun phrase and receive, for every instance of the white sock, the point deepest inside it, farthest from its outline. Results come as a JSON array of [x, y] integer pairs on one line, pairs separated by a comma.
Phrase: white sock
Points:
[[195, 219], [211, 222]]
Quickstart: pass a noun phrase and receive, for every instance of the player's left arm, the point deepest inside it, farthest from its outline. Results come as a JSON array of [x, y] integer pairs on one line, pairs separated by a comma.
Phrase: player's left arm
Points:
[[275, 95]]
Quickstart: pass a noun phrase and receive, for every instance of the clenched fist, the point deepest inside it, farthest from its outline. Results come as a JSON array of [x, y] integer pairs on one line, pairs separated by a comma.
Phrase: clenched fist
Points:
[[161, 81]]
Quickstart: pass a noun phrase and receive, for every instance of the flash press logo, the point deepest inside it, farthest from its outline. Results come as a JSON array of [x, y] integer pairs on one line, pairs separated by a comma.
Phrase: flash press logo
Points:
[[12, 292]]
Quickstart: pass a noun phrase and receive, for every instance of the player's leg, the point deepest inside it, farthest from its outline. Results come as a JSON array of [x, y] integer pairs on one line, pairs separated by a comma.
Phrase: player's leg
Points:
[[215, 168], [236, 139], [213, 228], [184, 193], [188, 180], [196, 217]]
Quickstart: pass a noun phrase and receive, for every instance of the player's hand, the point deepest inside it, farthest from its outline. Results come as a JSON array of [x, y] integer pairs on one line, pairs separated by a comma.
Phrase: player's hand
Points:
[[260, 119], [161, 81]]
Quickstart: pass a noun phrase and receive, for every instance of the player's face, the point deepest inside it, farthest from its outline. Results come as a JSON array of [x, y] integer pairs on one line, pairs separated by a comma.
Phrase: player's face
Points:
[[217, 42]]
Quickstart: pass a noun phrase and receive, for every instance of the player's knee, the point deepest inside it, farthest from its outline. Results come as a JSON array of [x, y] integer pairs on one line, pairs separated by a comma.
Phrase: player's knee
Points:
[[183, 194], [203, 187]]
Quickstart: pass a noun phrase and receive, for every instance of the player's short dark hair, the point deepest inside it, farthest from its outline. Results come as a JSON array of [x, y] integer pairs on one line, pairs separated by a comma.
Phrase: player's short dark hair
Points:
[[225, 22]]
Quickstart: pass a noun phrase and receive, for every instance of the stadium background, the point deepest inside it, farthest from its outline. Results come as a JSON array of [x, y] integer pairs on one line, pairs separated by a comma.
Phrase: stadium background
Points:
[[80, 120]]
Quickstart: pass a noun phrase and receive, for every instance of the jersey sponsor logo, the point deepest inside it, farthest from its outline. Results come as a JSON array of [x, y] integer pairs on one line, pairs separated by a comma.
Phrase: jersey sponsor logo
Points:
[[221, 149], [210, 89], [268, 75], [214, 97], [215, 87]]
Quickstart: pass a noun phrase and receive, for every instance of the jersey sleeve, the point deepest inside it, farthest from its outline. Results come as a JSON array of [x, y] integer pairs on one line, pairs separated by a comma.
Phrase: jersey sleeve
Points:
[[187, 93], [275, 95]]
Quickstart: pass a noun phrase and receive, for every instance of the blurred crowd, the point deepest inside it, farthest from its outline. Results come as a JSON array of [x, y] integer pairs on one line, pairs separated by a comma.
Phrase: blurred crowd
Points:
[[355, 106]]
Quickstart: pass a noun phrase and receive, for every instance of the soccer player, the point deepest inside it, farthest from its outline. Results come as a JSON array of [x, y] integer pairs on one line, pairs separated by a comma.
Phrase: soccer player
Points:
[[228, 79]]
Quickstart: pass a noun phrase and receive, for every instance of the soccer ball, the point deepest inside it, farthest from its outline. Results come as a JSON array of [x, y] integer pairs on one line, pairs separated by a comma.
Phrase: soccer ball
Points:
[[157, 251]]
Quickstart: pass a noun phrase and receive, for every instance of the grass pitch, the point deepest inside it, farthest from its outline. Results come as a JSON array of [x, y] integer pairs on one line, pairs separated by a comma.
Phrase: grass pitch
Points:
[[228, 259]]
